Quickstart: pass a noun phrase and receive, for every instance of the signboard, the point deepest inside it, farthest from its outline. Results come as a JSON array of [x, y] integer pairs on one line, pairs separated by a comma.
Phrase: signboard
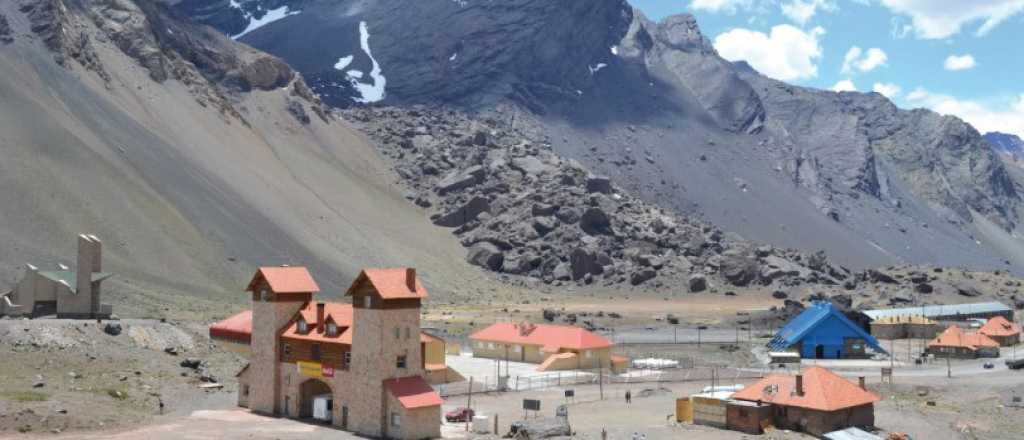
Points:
[[531, 405], [314, 369]]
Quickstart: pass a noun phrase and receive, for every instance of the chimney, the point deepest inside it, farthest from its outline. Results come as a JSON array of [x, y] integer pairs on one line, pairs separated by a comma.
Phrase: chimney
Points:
[[83, 275], [863, 386], [410, 278], [319, 317], [800, 385]]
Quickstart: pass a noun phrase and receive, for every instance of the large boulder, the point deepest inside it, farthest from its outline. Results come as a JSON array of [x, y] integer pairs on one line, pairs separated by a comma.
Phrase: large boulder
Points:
[[739, 269], [465, 213], [698, 283], [584, 262], [530, 165], [776, 267], [642, 275], [486, 255], [599, 184], [881, 277], [562, 272], [459, 180], [596, 222], [543, 225]]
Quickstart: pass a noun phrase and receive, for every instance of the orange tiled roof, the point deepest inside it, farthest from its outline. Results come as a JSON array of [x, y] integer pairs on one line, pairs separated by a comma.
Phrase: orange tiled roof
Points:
[[391, 283], [956, 337], [238, 328], [551, 337], [823, 391], [999, 326], [413, 392], [285, 280]]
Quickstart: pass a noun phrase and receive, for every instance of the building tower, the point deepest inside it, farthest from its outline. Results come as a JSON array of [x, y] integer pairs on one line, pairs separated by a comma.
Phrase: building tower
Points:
[[278, 293], [385, 343]]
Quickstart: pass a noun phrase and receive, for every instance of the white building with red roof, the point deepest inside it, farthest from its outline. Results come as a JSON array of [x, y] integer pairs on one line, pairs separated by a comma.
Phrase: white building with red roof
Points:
[[359, 366], [554, 347]]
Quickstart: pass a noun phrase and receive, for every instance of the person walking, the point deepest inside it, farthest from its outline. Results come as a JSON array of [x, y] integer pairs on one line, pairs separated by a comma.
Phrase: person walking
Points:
[[629, 397]]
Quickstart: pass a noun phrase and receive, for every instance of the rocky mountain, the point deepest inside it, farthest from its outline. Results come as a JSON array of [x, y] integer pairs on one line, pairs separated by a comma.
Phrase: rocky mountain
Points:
[[193, 157], [1007, 144], [653, 106]]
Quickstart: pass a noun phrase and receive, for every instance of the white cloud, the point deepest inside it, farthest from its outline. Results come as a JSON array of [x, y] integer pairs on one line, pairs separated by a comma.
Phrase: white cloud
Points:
[[729, 6], [1005, 116], [933, 19], [801, 11], [844, 85], [959, 62], [889, 90], [787, 53], [857, 59]]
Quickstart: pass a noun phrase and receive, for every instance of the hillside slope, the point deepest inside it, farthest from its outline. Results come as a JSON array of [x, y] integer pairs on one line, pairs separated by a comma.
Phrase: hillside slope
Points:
[[191, 178], [654, 106]]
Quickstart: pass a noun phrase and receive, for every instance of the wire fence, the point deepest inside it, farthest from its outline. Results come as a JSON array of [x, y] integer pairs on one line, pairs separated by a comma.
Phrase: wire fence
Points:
[[559, 379]]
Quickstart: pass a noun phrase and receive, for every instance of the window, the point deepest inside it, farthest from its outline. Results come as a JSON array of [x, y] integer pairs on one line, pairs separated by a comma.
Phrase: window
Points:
[[400, 363], [245, 390], [396, 420], [264, 295], [315, 352], [407, 333], [303, 326], [368, 302], [517, 348], [286, 349], [332, 329], [346, 360], [588, 354], [490, 346], [398, 333]]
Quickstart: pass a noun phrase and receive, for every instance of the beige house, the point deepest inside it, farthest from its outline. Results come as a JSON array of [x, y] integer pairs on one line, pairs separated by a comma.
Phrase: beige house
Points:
[[359, 367], [554, 347], [905, 327], [66, 293]]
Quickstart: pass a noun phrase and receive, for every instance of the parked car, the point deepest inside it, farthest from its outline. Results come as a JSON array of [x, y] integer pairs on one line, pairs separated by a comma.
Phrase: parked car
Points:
[[989, 365], [459, 415]]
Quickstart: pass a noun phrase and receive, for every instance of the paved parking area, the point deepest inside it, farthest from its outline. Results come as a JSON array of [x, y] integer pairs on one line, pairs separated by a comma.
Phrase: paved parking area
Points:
[[479, 368]]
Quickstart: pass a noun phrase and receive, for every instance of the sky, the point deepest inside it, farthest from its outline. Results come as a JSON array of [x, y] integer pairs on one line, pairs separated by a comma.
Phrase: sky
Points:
[[958, 57]]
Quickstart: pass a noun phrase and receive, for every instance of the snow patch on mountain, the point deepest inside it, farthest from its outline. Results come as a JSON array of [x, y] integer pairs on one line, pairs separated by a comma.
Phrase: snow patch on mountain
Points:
[[597, 68], [268, 17], [343, 62], [374, 91]]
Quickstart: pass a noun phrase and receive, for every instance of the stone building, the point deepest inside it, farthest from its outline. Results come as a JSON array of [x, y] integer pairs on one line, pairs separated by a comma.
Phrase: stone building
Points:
[[956, 342], [554, 347], [816, 402], [362, 365], [1004, 332], [64, 292], [905, 327]]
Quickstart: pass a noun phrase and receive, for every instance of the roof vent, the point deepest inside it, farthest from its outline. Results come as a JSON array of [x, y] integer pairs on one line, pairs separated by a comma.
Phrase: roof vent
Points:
[[525, 328]]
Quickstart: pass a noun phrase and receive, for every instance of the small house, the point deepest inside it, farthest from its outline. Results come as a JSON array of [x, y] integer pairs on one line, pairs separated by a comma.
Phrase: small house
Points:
[[958, 343], [823, 332], [554, 347], [816, 402], [1004, 332]]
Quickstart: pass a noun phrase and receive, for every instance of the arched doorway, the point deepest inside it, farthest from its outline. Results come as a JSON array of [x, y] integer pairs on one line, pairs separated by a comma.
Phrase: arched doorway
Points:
[[819, 352], [308, 392]]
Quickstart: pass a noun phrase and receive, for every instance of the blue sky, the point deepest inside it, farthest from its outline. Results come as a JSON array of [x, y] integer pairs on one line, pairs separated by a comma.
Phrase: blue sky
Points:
[[959, 57]]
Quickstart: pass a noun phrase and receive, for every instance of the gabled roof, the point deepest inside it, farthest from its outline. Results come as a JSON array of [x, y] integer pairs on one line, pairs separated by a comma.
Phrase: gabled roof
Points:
[[823, 391], [956, 337], [811, 318], [551, 338], [285, 280], [999, 326], [391, 283], [238, 328], [413, 392]]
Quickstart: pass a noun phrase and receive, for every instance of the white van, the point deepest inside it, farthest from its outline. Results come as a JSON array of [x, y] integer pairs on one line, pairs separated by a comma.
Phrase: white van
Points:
[[323, 406]]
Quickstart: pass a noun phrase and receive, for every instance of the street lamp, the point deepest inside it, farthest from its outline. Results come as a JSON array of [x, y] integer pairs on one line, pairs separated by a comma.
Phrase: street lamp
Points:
[[699, 328]]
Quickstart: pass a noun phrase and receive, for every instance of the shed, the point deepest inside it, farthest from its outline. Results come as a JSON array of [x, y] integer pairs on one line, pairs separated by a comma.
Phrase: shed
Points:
[[823, 332], [747, 417]]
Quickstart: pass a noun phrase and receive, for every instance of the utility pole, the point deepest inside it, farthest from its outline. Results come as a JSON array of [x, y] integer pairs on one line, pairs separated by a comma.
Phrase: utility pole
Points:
[[600, 378], [949, 370], [469, 402]]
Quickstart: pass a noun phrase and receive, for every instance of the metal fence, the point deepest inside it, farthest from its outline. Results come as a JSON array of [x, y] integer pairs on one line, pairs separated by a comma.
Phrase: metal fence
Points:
[[558, 379]]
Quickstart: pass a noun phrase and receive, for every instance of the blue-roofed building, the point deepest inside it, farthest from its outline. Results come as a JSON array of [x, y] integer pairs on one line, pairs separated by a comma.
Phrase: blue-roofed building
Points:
[[823, 332]]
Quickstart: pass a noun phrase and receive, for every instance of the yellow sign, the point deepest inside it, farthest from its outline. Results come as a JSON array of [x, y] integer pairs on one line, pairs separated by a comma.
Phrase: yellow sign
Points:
[[314, 369]]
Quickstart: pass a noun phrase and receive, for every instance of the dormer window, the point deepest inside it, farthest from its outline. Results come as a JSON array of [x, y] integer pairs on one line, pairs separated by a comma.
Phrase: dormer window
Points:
[[368, 302], [332, 329], [303, 326], [264, 295]]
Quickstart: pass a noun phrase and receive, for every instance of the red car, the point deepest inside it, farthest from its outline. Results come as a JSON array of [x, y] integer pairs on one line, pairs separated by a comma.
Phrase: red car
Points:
[[459, 415]]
